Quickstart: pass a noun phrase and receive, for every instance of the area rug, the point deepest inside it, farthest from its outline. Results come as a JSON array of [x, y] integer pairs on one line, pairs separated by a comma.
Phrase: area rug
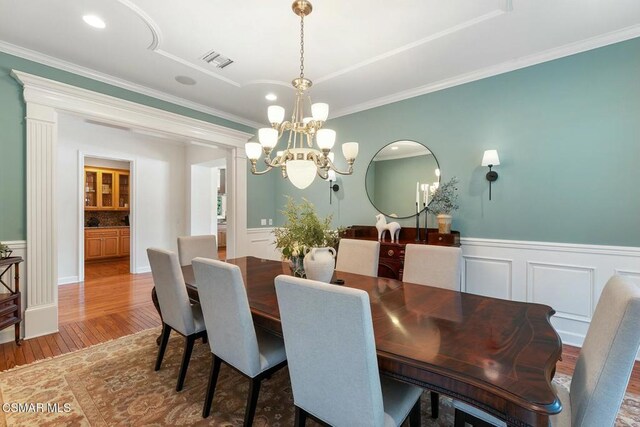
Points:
[[114, 384]]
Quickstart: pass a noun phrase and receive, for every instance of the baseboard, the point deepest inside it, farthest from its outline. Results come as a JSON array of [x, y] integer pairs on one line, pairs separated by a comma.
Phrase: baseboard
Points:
[[68, 280], [40, 320], [141, 270]]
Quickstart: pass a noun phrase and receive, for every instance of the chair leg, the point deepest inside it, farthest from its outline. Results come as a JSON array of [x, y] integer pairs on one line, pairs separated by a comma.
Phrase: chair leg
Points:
[[459, 418], [211, 388], [164, 339], [188, 348], [414, 415], [301, 418], [252, 401], [435, 404]]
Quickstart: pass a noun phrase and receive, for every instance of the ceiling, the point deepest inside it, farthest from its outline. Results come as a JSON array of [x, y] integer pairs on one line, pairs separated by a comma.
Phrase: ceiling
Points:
[[359, 54]]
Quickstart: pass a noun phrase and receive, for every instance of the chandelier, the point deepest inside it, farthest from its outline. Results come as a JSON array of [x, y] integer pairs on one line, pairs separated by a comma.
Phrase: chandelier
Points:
[[300, 162]]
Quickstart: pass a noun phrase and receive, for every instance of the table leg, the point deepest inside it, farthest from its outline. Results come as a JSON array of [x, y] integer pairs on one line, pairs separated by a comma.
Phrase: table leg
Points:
[[156, 304]]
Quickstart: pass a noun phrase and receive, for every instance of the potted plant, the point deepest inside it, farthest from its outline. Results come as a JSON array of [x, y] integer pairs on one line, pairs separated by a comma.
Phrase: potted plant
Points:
[[444, 202], [5, 251], [302, 231]]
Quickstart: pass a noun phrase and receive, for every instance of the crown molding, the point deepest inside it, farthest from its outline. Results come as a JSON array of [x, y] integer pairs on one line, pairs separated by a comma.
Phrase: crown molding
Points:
[[624, 34], [108, 109], [50, 61]]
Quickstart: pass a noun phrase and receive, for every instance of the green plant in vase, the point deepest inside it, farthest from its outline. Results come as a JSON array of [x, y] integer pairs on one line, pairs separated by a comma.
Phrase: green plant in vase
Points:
[[303, 229], [444, 202]]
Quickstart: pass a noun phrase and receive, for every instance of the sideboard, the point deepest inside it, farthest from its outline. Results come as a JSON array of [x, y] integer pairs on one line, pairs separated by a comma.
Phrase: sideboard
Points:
[[391, 261]]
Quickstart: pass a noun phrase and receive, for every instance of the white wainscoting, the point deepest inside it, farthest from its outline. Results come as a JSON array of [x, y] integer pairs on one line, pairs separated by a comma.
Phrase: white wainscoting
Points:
[[567, 277], [19, 248], [261, 244]]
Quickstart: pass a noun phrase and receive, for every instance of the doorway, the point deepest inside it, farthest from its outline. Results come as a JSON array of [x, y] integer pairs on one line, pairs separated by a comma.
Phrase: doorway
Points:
[[209, 203], [106, 211]]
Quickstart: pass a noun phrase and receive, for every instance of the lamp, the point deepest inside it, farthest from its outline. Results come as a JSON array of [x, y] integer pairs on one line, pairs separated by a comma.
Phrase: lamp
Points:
[[491, 159], [331, 177], [300, 161]]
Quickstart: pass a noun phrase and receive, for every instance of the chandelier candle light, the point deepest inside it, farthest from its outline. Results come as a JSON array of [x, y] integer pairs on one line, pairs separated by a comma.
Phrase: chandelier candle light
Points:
[[300, 161]]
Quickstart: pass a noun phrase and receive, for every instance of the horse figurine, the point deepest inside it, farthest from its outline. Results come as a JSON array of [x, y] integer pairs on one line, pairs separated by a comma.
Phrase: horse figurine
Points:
[[382, 226]]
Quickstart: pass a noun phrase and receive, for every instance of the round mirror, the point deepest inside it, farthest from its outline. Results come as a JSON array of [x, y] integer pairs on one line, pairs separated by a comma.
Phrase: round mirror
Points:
[[398, 174]]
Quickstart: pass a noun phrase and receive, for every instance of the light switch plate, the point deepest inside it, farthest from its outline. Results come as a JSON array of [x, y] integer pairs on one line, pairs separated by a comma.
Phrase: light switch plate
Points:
[[263, 221]]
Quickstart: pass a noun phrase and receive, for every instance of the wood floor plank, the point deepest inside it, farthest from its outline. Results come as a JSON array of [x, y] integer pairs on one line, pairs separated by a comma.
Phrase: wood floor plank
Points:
[[52, 344], [69, 338]]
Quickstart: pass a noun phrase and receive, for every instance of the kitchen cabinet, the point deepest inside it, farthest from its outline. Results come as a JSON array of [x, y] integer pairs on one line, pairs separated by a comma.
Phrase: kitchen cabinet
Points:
[[106, 189], [104, 242]]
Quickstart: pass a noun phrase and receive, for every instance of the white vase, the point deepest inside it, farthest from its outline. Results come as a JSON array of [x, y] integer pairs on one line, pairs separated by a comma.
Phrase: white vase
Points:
[[444, 224], [319, 264]]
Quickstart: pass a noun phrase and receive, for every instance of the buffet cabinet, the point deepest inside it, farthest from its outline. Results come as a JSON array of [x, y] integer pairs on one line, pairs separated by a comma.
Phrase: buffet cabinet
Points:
[[391, 260], [102, 243]]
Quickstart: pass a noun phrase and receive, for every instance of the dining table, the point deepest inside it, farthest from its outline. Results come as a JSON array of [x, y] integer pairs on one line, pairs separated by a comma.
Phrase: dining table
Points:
[[497, 355]]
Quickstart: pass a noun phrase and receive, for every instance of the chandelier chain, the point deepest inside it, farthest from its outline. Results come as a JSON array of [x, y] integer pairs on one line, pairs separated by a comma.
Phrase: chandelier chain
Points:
[[301, 46]]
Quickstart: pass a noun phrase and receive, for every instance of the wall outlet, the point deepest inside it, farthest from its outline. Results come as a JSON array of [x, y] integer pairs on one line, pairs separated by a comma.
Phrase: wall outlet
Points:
[[263, 221], [270, 221]]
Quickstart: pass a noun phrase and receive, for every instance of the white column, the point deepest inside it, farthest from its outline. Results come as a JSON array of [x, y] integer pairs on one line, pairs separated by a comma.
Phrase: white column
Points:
[[41, 313], [237, 203]]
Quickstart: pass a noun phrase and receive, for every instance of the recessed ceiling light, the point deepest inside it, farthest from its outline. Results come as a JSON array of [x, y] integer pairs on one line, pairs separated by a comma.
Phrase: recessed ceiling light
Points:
[[394, 148], [271, 97], [94, 21], [185, 80]]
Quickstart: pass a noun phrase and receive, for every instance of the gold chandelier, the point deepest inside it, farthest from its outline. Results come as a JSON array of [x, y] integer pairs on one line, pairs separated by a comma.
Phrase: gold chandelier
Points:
[[300, 162]]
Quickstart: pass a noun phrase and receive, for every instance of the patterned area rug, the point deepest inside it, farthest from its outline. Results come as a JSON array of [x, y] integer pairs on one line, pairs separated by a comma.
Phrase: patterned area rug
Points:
[[114, 384]]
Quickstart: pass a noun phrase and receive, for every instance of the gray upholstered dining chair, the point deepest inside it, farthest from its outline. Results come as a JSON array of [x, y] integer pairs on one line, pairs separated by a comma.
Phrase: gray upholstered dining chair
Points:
[[233, 339], [432, 265], [358, 256], [603, 367], [178, 313], [328, 334], [190, 247]]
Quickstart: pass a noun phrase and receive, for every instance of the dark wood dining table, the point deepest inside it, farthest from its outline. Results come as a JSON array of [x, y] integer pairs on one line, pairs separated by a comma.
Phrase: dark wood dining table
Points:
[[495, 354]]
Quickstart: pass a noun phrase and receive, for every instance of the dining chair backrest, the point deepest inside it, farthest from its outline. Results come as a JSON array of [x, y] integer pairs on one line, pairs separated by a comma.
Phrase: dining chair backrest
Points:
[[171, 291], [358, 256], [607, 357], [227, 315], [190, 247], [328, 335], [432, 265]]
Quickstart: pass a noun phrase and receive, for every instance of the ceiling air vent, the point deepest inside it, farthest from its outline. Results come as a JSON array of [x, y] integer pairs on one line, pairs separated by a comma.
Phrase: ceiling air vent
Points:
[[214, 58]]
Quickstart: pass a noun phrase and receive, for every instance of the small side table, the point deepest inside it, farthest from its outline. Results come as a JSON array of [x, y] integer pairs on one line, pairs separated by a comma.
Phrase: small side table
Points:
[[10, 303]]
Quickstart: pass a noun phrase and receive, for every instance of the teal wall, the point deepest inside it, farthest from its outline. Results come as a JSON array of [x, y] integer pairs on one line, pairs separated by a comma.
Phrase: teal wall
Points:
[[568, 135], [12, 140]]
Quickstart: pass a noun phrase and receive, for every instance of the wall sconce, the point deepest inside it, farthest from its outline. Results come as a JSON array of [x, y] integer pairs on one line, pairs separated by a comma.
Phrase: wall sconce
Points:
[[491, 159], [332, 187]]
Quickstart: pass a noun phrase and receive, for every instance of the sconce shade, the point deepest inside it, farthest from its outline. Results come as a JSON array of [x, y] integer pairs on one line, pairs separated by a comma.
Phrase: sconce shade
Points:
[[490, 158]]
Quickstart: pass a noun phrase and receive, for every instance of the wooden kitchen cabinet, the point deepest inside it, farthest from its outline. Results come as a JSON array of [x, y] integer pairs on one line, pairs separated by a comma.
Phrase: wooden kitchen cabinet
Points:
[[106, 189], [103, 243], [125, 241]]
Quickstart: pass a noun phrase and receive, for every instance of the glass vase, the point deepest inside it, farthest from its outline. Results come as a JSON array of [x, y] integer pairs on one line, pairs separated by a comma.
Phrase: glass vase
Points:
[[296, 264]]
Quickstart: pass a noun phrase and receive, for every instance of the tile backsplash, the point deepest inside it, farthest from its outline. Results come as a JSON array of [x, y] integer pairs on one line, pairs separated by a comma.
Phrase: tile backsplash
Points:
[[107, 218]]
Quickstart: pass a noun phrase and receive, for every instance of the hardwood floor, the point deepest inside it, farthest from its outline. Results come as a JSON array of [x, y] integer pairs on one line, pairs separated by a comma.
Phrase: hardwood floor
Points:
[[112, 303]]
